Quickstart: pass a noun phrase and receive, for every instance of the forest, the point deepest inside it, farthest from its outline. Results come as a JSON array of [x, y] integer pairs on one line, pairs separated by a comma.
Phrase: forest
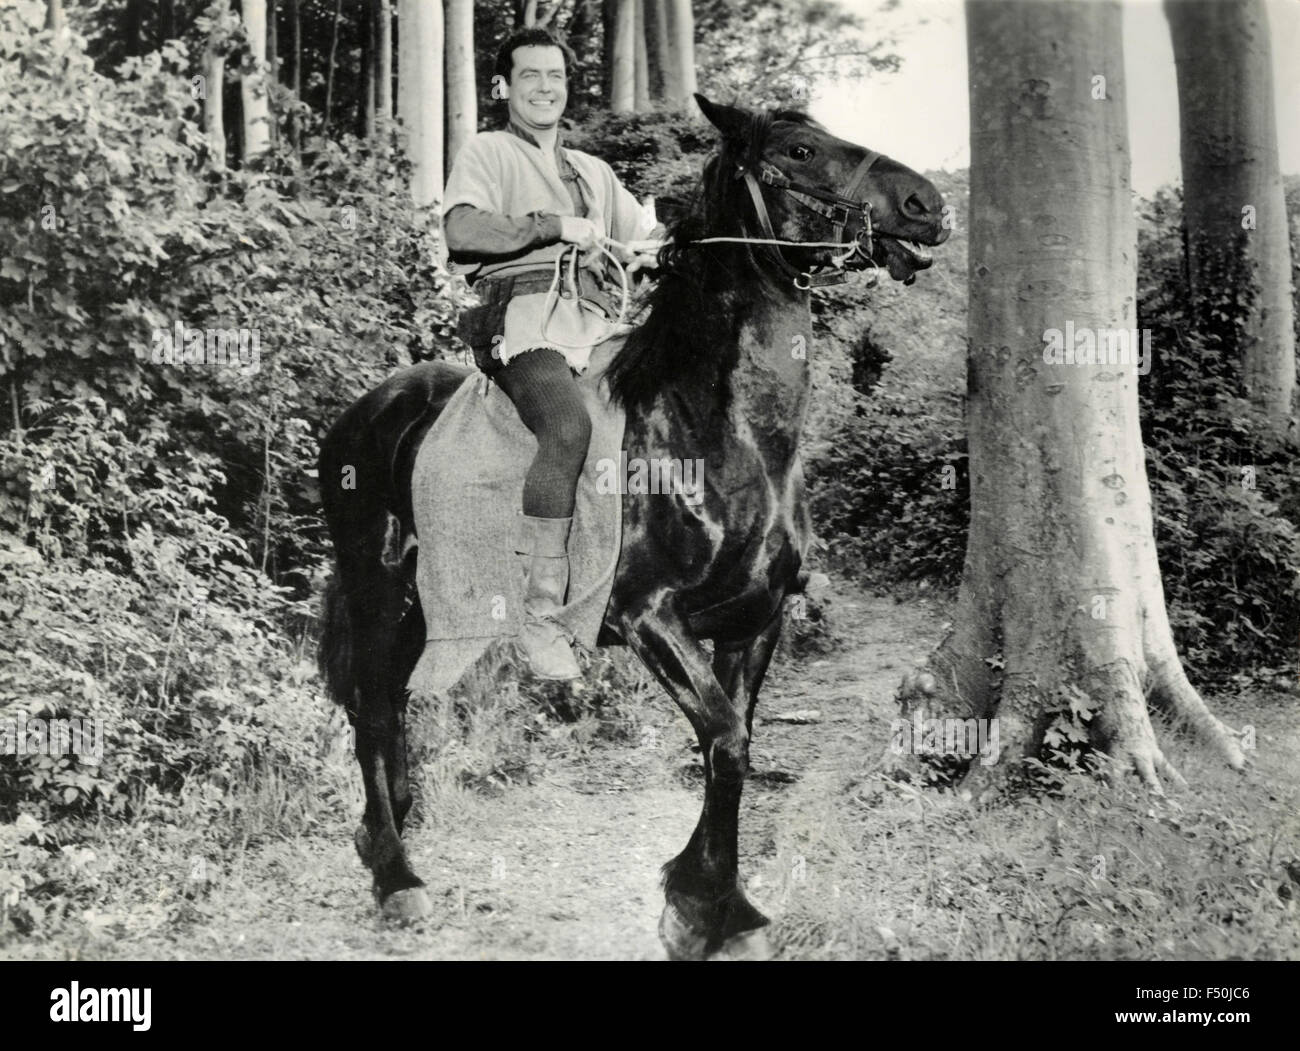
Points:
[[267, 172]]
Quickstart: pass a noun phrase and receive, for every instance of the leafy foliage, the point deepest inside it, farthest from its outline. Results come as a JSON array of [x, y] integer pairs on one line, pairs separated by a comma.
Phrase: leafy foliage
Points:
[[1226, 493]]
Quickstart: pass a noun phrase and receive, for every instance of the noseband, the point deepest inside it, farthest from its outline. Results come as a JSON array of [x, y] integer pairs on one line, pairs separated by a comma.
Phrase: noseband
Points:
[[839, 208]]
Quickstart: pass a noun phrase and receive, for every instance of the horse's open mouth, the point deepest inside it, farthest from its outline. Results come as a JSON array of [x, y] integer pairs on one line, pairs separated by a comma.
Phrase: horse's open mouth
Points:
[[901, 258]]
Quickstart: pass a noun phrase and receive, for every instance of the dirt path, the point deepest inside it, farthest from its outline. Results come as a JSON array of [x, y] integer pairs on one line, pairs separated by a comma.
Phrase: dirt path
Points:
[[567, 867]]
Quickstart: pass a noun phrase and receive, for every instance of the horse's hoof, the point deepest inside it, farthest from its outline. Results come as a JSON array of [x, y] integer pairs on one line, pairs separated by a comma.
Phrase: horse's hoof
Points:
[[407, 906], [680, 940], [752, 946]]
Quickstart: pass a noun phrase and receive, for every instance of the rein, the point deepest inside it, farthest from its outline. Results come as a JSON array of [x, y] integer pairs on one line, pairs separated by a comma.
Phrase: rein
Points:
[[839, 208]]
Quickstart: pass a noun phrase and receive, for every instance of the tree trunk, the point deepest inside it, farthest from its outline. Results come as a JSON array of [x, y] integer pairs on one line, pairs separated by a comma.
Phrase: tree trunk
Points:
[[1233, 208], [663, 74], [54, 17], [641, 55], [462, 100], [252, 86], [273, 39], [132, 27], [214, 125], [1061, 602], [366, 97], [622, 80], [419, 95], [273, 61], [329, 73], [384, 96], [295, 16], [681, 30]]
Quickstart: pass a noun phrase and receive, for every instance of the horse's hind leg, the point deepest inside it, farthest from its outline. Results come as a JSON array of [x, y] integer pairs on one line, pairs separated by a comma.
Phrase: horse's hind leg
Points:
[[705, 906], [384, 657]]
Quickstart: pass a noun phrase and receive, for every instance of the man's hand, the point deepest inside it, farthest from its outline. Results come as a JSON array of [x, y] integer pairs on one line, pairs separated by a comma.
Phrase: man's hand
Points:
[[643, 261], [581, 232]]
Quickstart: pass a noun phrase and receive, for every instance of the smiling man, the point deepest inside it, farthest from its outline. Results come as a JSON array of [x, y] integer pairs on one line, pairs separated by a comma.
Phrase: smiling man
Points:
[[515, 201]]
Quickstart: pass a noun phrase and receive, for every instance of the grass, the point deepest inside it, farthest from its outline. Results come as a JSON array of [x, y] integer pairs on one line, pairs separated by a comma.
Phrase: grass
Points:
[[1095, 871]]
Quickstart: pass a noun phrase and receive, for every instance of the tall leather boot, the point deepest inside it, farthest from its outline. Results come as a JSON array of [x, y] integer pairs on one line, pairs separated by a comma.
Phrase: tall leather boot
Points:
[[542, 642]]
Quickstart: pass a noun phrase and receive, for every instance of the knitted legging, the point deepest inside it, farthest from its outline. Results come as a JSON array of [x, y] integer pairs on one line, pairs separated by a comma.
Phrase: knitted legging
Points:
[[546, 395]]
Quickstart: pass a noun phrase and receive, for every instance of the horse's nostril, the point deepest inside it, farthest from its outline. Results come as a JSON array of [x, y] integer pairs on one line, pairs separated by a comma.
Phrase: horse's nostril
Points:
[[914, 208]]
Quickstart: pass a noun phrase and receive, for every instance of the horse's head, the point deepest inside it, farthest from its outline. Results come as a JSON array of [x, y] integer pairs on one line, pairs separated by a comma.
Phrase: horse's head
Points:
[[792, 180]]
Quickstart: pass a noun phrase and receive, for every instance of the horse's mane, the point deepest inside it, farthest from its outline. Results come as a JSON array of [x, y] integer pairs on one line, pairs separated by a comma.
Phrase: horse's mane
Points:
[[689, 338]]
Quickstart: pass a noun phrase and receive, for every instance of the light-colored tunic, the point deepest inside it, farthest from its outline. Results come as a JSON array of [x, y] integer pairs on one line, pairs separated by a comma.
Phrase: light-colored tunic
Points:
[[498, 171]]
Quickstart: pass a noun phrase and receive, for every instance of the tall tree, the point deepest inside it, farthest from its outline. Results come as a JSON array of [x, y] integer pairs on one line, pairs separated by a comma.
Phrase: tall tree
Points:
[[366, 101], [621, 29], [252, 85], [54, 17], [420, 95], [680, 88], [1061, 611], [462, 91], [384, 95], [218, 22], [295, 18], [1233, 207], [658, 42], [641, 57], [332, 64]]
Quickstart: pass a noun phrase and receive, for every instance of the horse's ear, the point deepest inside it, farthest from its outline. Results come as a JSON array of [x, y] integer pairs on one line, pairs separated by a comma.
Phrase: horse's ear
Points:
[[732, 121]]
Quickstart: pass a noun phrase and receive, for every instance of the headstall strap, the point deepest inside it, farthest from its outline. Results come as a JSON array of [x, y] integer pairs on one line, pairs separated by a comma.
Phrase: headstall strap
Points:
[[839, 209]]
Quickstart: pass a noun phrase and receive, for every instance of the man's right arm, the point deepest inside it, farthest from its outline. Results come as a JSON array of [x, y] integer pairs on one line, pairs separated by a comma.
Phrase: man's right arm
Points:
[[476, 235], [475, 225]]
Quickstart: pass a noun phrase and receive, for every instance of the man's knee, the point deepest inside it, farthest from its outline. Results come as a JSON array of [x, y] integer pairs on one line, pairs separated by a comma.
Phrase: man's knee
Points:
[[571, 431]]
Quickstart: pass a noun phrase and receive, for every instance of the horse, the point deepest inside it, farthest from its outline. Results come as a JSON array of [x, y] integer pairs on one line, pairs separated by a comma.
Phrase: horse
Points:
[[717, 371]]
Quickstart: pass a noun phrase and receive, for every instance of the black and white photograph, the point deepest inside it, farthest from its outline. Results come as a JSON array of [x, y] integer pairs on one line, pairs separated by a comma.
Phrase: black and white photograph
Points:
[[650, 480]]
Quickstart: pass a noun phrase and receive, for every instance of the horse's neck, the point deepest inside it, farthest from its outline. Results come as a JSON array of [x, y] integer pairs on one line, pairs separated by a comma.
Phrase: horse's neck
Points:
[[771, 379]]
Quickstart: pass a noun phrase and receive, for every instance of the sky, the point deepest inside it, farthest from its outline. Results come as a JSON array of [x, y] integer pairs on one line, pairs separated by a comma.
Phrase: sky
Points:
[[920, 114]]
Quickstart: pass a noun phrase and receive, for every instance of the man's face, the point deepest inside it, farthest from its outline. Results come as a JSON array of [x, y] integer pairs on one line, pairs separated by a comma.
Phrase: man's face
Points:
[[538, 86]]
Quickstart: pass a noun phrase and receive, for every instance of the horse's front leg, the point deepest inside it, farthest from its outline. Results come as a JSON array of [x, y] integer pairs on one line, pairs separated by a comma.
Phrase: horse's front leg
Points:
[[381, 752], [705, 906]]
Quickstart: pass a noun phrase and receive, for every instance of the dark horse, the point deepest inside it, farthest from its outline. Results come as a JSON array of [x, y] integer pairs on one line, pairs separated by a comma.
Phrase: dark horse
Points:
[[718, 371]]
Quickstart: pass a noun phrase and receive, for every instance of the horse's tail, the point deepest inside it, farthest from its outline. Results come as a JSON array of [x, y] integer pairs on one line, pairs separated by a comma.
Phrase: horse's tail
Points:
[[334, 655], [366, 459]]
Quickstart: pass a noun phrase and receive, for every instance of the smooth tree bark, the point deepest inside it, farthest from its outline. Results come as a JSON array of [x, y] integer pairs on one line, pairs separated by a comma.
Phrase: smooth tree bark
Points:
[[54, 17], [663, 73], [253, 93], [1233, 206], [384, 92], [273, 60], [641, 56], [622, 60], [680, 93], [214, 121], [1061, 602], [366, 100], [295, 18], [462, 94], [332, 63], [420, 95]]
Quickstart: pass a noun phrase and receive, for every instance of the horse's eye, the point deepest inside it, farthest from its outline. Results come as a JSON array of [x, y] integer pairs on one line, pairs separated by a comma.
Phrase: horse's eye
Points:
[[800, 152]]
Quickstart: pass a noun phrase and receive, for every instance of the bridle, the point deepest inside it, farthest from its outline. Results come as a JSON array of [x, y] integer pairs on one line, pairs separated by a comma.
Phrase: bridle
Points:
[[839, 208]]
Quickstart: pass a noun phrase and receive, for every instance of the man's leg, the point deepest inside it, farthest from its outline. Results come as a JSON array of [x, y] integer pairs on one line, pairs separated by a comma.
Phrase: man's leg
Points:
[[547, 398]]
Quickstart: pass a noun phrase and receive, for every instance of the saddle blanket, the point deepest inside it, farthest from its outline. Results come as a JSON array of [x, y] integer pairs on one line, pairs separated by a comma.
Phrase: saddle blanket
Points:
[[467, 487]]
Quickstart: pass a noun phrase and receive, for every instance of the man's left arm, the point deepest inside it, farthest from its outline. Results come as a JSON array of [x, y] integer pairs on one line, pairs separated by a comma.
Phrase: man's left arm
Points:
[[628, 222]]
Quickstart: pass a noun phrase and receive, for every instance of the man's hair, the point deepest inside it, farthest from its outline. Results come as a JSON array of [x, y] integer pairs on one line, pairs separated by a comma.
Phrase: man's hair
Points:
[[534, 36]]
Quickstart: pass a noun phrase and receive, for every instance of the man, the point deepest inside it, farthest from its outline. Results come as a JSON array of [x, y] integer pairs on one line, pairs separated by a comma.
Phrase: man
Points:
[[516, 201]]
